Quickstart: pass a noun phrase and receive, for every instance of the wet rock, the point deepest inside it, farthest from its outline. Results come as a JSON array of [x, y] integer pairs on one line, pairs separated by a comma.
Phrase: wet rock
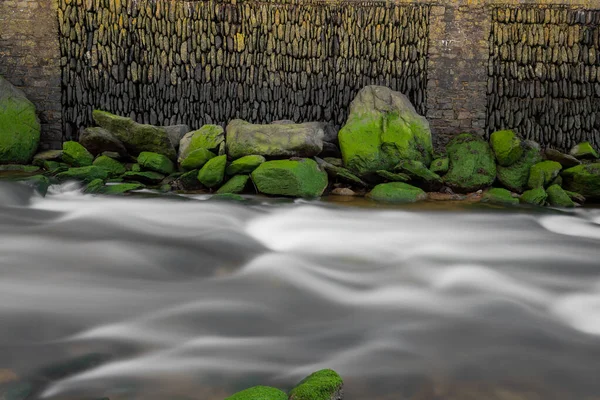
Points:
[[98, 140], [208, 137], [506, 145], [566, 160], [321, 385], [176, 133], [112, 166], [98, 187], [20, 168], [259, 392], [397, 192], [297, 178], [340, 173], [584, 150], [85, 174], [155, 162], [535, 197], [40, 183], [439, 165], [543, 173], [19, 126], [576, 197], [393, 176], [187, 181], [196, 159], [516, 176], [499, 196], [343, 192], [146, 177], [383, 128], [48, 155], [558, 198], [583, 179], [472, 165], [213, 172], [76, 155], [236, 184], [420, 173], [245, 165], [334, 161]]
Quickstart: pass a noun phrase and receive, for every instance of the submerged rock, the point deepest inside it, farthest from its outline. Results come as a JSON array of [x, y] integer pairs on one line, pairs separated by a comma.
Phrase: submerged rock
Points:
[[112, 166], [76, 155], [19, 126], [383, 128], [535, 196], [85, 174], [472, 165], [583, 179], [98, 140], [213, 172], [558, 198], [259, 392], [155, 162], [245, 165], [321, 385], [499, 196], [343, 192], [543, 173], [196, 159], [397, 192], [516, 176], [566, 160], [209, 137], [297, 178], [234, 185], [584, 150], [506, 146]]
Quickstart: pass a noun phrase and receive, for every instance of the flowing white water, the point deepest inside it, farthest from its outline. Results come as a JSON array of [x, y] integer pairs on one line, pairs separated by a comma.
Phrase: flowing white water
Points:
[[193, 299]]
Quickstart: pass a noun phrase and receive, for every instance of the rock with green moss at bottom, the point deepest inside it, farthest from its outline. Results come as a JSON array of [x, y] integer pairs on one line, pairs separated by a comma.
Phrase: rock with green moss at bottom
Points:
[[558, 198], [85, 174], [48, 155], [236, 184], [196, 159], [19, 168], [19, 126], [543, 173], [583, 179], [97, 140], [516, 176], [396, 192], [245, 165], [393, 176], [187, 181], [506, 146], [40, 183], [382, 129], [136, 137], [259, 393], [439, 165], [584, 150], [112, 166], [566, 160], [576, 197], [535, 197], [213, 172], [295, 178], [471, 164], [146, 177], [499, 196], [420, 173], [155, 162], [339, 173], [55, 166], [208, 137], [76, 155], [325, 384]]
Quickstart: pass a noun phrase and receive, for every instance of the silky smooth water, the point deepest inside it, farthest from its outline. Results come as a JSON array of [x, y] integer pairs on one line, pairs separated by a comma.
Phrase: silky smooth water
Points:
[[150, 297]]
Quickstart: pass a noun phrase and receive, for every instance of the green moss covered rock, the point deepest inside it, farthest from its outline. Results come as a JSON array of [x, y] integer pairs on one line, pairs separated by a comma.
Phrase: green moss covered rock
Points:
[[234, 185], [339, 173], [245, 165], [40, 183], [543, 173], [213, 172], [297, 178], [439, 165], [155, 162], [112, 166], [472, 164], [188, 181], [535, 197], [499, 196], [396, 192], [516, 176], [97, 186], [321, 385], [584, 150], [47, 155], [19, 168], [383, 128], [19, 126], [393, 176], [208, 137], [506, 145], [558, 198], [196, 159], [85, 174], [76, 155], [146, 177], [583, 179], [259, 393], [420, 173], [97, 140], [576, 197], [566, 160]]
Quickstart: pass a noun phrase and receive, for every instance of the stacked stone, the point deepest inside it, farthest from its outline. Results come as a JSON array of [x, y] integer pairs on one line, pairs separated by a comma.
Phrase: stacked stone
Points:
[[544, 75], [203, 62]]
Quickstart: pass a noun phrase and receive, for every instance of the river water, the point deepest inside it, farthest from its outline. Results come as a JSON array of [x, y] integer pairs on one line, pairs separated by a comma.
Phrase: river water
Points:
[[171, 297]]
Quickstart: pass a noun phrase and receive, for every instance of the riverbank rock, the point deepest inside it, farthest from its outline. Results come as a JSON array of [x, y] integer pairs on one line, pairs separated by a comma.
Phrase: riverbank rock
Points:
[[321, 385], [112, 166], [19, 126], [393, 176], [535, 197], [136, 137], [274, 140], [98, 140], [339, 173], [421, 174], [396, 192], [499, 196], [471, 164], [383, 128], [566, 160], [76, 155], [155, 162], [583, 179], [196, 159], [40, 183], [245, 165], [516, 176], [47, 155], [543, 173], [584, 150], [209, 137], [85, 174], [296, 178], [234, 185], [175, 133], [557, 197], [506, 145], [260, 393], [213, 172], [146, 177]]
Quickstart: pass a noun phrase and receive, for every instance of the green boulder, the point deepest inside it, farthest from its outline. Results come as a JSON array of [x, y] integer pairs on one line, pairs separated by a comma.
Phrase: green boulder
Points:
[[297, 178], [535, 197], [85, 174], [196, 159], [321, 385], [472, 165], [112, 166], [209, 137], [396, 192], [543, 173], [155, 162], [19, 126], [506, 145], [245, 165], [234, 185], [213, 172], [339, 173], [259, 393], [499, 196], [76, 155], [383, 128], [557, 197], [516, 176], [55, 166], [439, 165], [584, 150], [146, 177], [583, 179]]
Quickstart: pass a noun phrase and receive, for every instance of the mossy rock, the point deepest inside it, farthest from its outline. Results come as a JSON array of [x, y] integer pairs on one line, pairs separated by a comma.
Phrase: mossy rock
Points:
[[259, 393], [94, 187], [189, 181], [55, 166], [543, 173], [340, 173], [227, 197], [566, 160], [196, 159], [97, 140], [516, 176], [583, 179], [296, 178], [19, 126], [136, 167], [28, 169], [584, 150], [558, 198], [499, 196], [535, 197], [397, 192], [338, 162], [472, 165], [40, 183], [213, 172], [321, 385], [393, 176], [76, 155], [121, 188], [576, 197], [420, 173], [245, 165], [48, 155], [112, 166], [155, 162], [85, 174], [506, 145], [208, 137], [146, 177], [439, 165], [234, 185]]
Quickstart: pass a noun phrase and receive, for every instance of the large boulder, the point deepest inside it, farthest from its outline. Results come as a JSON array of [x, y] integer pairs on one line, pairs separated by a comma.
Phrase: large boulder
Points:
[[176, 133], [76, 155], [583, 179], [213, 172], [136, 137], [112, 166], [325, 384], [516, 176], [196, 159], [506, 146], [98, 140], [566, 160], [274, 140], [234, 185], [245, 165], [209, 137], [396, 192], [19, 126], [543, 173], [472, 165], [535, 197], [383, 128], [297, 178]]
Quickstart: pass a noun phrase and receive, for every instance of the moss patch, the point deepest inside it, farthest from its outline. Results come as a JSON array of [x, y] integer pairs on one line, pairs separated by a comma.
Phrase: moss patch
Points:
[[516, 176], [419, 172], [321, 385], [297, 178], [76, 155], [584, 150], [85, 174], [439, 165], [506, 145], [259, 393], [397, 192], [472, 164], [147, 177], [196, 159], [208, 137]]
